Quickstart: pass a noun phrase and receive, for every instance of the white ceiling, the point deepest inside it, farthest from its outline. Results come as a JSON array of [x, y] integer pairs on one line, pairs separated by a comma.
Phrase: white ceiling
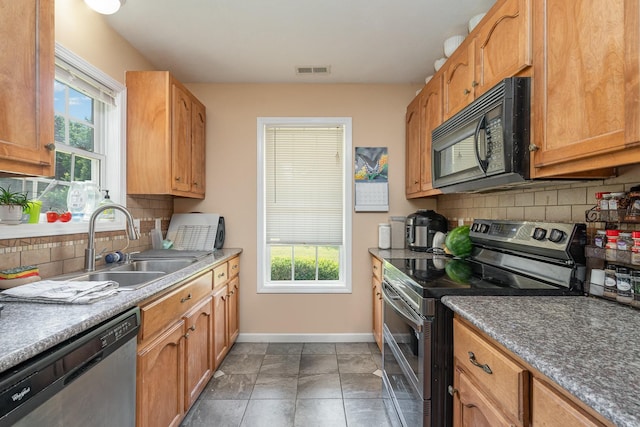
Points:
[[263, 41]]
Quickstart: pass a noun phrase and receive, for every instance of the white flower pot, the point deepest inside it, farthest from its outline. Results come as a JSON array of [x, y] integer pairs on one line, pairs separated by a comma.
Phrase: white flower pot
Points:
[[10, 214]]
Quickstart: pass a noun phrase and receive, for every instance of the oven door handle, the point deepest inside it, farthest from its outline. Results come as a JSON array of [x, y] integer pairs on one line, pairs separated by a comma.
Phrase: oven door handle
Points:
[[416, 323]]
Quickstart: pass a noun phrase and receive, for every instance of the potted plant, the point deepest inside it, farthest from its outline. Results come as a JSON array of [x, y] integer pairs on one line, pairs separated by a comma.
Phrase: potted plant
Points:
[[12, 203]]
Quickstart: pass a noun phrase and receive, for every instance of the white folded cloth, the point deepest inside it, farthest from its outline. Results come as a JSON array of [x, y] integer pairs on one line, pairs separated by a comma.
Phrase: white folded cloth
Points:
[[62, 292]]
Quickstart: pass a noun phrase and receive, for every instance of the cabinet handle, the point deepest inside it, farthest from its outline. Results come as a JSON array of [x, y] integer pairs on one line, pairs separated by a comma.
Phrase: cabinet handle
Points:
[[474, 362], [230, 293], [452, 390], [50, 146], [221, 275], [533, 147], [466, 91], [195, 184], [188, 297], [192, 328], [178, 178], [186, 336], [474, 83], [416, 182]]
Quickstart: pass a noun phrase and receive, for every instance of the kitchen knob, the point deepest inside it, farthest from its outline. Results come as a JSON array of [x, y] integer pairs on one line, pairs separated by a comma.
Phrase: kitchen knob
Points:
[[539, 233], [484, 228], [50, 147], [556, 235]]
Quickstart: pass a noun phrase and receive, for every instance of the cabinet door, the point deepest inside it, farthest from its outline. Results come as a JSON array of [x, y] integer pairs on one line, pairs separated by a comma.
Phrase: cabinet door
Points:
[[160, 384], [503, 45], [584, 54], [234, 303], [180, 139], [26, 87], [198, 350], [472, 408], [413, 150], [377, 310], [550, 408], [198, 150], [432, 118], [458, 80], [220, 316]]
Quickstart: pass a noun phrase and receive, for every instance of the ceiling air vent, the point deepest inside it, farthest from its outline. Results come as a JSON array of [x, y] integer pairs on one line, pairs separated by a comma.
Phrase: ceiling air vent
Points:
[[313, 70]]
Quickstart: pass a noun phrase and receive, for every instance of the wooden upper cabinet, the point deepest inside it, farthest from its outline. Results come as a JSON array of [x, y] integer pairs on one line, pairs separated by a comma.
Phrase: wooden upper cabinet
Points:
[[432, 118], [198, 148], [586, 97], [459, 80], [166, 128], [498, 48], [503, 44], [413, 149], [26, 87], [180, 139]]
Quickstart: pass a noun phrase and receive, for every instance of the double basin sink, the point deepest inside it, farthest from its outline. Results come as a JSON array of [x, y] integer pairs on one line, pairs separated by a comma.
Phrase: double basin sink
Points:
[[138, 273]]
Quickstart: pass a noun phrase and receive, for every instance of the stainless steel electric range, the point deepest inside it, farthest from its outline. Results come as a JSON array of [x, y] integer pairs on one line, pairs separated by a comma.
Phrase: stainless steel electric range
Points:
[[508, 258]]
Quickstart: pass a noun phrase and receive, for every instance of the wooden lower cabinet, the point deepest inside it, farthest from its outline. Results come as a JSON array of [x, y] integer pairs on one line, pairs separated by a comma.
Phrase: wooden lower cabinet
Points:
[[220, 313], [198, 350], [493, 387], [550, 408], [160, 380], [471, 407], [376, 289], [184, 336]]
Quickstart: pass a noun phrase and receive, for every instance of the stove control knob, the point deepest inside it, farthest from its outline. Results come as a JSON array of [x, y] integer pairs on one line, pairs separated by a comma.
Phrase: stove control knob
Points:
[[539, 233], [557, 236], [484, 228], [475, 226]]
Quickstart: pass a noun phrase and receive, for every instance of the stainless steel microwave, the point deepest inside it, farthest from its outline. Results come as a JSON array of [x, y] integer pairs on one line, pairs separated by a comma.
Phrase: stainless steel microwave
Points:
[[486, 145]]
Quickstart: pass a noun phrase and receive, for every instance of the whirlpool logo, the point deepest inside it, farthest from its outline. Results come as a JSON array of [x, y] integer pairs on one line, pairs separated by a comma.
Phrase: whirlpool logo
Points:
[[21, 394]]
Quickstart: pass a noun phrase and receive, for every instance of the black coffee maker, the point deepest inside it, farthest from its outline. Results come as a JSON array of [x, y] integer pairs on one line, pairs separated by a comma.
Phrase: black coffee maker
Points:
[[421, 227]]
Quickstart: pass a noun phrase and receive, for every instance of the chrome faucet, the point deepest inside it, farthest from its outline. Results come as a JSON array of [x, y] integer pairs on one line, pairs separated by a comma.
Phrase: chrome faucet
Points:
[[90, 252]]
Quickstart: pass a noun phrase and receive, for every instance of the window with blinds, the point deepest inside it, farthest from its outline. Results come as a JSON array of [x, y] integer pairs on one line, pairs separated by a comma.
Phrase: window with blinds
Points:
[[304, 204]]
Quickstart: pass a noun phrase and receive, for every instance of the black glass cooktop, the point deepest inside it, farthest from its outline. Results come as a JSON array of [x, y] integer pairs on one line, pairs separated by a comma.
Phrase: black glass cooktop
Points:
[[437, 276]]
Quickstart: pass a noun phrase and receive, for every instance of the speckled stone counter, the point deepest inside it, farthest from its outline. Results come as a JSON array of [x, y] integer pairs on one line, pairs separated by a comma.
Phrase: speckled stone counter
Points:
[[589, 346], [28, 329], [399, 253]]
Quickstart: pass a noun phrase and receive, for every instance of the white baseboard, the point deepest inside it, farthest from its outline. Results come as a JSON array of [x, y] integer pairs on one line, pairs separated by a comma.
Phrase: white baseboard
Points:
[[296, 338]]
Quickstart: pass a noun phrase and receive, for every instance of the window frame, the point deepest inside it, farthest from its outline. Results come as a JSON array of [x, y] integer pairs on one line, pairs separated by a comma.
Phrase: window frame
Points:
[[263, 259], [115, 155]]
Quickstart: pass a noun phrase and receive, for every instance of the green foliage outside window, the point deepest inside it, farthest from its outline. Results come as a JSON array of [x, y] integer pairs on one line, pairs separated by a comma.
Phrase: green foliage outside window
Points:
[[305, 269]]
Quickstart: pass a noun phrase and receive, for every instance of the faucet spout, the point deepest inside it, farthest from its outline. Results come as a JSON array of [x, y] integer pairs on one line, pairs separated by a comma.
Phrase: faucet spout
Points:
[[90, 251]]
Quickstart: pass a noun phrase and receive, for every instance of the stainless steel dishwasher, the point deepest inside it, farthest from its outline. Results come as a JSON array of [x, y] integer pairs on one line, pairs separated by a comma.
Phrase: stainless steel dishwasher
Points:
[[89, 380]]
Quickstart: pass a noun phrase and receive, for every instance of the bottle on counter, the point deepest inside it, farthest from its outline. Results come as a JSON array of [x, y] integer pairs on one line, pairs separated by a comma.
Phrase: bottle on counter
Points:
[[76, 200], [635, 288], [384, 236], [635, 249], [610, 282], [600, 239], [107, 214], [623, 286]]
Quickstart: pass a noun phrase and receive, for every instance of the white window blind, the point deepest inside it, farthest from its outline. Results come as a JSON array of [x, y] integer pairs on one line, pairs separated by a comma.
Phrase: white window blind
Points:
[[304, 180], [68, 73]]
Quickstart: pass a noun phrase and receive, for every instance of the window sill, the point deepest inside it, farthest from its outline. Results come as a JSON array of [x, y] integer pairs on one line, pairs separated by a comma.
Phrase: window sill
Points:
[[280, 288], [55, 229]]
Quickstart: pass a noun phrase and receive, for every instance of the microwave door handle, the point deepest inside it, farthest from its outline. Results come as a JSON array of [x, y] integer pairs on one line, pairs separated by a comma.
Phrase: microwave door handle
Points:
[[481, 128]]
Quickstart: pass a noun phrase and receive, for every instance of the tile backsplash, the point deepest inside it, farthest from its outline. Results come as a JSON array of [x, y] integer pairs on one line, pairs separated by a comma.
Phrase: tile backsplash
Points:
[[556, 202], [55, 255]]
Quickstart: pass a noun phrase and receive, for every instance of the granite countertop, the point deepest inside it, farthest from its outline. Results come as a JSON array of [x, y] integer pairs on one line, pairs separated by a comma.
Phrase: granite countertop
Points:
[[587, 345], [399, 253], [27, 329]]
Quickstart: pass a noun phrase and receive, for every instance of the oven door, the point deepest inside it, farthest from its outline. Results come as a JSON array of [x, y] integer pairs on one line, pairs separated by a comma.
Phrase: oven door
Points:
[[406, 358]]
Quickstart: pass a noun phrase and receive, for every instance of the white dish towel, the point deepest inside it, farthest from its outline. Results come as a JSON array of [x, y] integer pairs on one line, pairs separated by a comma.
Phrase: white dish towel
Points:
[[61, 292]]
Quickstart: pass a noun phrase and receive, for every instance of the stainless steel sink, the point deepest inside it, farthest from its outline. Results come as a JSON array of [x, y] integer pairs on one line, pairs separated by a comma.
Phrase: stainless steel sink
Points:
[[125, 279], [166, 265]]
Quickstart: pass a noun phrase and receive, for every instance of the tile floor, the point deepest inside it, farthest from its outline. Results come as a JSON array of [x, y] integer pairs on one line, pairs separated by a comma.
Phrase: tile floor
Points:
[[294, 384]]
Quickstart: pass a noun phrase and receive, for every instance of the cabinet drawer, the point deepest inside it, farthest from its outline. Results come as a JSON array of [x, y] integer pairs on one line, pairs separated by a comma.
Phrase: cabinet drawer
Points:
[[220, 274], [234, 267], [376, 266], [172, 306], [494, 372]]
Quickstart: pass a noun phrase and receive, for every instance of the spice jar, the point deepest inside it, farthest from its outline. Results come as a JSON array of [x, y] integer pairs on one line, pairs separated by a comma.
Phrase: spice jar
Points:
[[625, 242], [635, 288], [633, 210], [612, 239], [623, 285], [635, 249], [604, 201], [600, 239], [610, 284]]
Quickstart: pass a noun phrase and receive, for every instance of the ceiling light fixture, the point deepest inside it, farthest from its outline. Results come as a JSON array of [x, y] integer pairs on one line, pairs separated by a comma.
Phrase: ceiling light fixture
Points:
[[105, 7]]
